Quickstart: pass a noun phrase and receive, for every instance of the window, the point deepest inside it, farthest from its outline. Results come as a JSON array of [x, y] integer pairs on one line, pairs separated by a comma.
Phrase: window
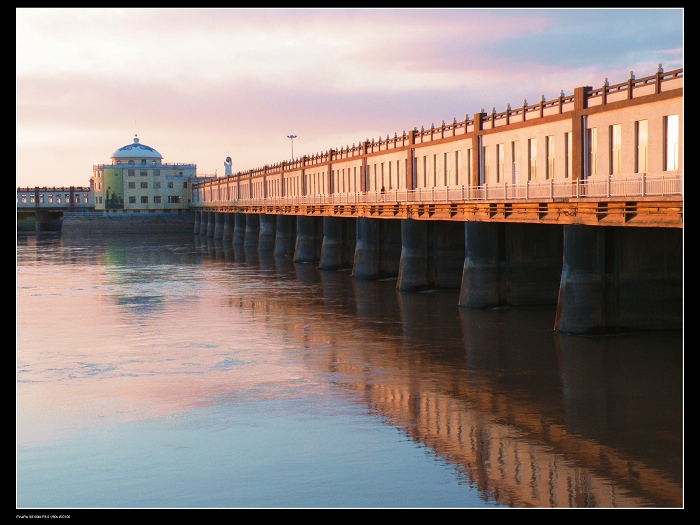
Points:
[[174, 199], [592, 152], [144, 199], [531, 159], [615, 149], [457, 161], [157, 199], [484, 165], [184, 184], [132, 173], [170, 184], [500, 162], [144, 185], [50, 199], [641, 132], [445, 169], [31, 199], [435, 170], [671, 136], [132, 199], [132, 185], [568, 153], [515, 152], [469, 167], [549, 146], [24, 199], [144, 173], [143, 162], [156, 185]]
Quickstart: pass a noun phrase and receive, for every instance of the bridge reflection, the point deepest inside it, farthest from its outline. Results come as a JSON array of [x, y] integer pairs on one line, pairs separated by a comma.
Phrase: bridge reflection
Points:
[[530, 417]]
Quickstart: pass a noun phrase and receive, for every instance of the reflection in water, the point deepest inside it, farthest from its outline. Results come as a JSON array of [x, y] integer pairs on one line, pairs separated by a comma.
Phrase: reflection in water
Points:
[[526, 416]]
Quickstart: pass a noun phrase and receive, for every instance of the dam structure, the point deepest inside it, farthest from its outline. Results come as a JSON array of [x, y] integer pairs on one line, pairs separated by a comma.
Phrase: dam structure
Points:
[[575, 201]]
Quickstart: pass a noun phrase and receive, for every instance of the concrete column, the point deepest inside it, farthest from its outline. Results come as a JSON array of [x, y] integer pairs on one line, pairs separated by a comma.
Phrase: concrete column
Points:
[[617, 279], [211, 223], [432, 255], [266, 241], [197, 221], [204, 222], [480, 278], [309, 239], [413, 267], [239, 223], [227, 233], [285, 235], [41, 221], [510, 264], [338, 247], [252, 230], [377, 248], [218, 225]]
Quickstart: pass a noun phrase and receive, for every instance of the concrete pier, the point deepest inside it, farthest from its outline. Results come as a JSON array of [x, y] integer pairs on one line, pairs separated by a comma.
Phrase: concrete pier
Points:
[[252, 230], [511, 264], [617, 279], [218, 225], [377, 249], [432, 255], [204, 223], [211, 223], [309, 239], [338, 247], [227, 233], [285, 236], [197, 221], [239, 226], [266, 240]]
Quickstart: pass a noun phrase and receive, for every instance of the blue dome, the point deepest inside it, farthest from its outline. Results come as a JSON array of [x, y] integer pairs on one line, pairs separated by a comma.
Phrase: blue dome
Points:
[[136, 150]]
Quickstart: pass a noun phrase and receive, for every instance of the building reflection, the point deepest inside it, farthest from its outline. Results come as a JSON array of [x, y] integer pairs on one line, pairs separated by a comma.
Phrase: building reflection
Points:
[[523, 413]]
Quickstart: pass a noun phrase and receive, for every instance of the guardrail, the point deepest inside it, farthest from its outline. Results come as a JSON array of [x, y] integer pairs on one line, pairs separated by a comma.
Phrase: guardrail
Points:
[[613, 186]]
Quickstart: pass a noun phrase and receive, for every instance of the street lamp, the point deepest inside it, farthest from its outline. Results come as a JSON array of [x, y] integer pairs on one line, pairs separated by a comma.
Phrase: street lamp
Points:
[[292, 137]]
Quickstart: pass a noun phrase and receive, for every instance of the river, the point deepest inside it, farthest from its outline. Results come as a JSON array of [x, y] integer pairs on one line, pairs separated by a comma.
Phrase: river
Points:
[[178, 372]]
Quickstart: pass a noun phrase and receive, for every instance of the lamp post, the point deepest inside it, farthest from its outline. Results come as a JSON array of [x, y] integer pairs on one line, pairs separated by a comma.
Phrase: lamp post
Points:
[[292, 137]]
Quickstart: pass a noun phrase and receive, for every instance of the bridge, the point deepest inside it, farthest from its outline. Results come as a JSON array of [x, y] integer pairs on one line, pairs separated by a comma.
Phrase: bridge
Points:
[[41, 208], [575, 201]]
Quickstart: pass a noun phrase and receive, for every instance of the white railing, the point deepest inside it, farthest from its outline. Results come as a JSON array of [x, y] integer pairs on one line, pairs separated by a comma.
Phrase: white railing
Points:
[[613, 186]]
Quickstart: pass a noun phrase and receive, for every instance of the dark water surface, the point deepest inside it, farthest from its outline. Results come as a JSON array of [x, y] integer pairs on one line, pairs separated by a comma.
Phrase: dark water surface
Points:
[[178, 372]]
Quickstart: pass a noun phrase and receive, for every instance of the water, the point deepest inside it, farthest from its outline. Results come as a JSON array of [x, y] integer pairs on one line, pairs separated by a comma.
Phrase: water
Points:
[[178, 372]]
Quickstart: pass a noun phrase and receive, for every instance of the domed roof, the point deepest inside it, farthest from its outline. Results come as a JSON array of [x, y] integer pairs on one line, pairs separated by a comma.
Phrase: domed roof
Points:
[[136, 151]]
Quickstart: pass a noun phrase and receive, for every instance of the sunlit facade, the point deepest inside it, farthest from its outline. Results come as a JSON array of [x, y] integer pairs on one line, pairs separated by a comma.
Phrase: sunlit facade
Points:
[[137, 180]]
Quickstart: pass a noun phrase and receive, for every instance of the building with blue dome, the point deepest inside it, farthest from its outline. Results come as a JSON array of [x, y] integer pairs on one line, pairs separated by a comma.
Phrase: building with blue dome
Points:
[[138, 180]]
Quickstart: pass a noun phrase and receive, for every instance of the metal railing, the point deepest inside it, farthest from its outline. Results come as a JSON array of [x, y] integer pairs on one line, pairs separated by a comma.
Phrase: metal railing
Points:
[[602, 187]]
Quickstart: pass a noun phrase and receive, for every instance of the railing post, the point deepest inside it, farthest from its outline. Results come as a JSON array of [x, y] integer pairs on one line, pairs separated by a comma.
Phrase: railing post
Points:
[[551, 188], [644, 184], [607, 186]]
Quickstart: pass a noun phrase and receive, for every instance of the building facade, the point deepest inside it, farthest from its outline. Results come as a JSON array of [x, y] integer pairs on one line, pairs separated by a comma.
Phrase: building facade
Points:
[[137, 180]]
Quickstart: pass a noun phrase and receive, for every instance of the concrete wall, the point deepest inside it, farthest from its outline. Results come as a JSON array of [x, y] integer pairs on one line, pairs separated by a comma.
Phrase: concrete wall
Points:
[[136, 223]]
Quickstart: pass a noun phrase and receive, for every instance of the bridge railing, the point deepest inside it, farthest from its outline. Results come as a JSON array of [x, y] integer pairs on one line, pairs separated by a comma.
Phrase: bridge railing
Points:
[[602, 187]]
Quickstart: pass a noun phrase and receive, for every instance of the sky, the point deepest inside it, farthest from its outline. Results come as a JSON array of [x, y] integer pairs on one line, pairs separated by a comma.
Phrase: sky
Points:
[[199, 85]]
